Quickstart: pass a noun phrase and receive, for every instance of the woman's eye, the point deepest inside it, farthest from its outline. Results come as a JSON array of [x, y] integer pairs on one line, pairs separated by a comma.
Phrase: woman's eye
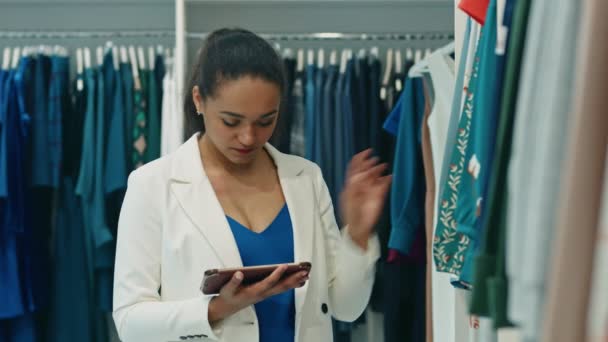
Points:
[[266, 123], [230, 123]]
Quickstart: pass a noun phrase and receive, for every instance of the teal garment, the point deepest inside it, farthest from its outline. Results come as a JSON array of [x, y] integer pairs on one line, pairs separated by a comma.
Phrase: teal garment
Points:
[[115, 165], [102, 236], [90, 187], [126, 75], [85, 189], [456, 106], [470, 198], [71, 288], [153, 126], [449, 244], [407, 189]]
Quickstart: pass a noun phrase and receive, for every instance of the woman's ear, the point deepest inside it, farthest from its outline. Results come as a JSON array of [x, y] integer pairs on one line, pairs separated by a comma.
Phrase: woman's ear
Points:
[[198, 100]]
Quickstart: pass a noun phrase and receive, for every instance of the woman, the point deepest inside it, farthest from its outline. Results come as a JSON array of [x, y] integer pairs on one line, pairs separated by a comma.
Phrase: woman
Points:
[[227, 198]]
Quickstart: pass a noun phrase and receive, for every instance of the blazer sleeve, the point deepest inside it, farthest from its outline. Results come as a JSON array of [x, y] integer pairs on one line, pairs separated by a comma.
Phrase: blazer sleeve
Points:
[[351, 270], [139, 313]]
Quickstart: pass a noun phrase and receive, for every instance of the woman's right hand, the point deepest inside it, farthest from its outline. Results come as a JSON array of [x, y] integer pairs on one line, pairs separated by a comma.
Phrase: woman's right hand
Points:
[[234, 297]]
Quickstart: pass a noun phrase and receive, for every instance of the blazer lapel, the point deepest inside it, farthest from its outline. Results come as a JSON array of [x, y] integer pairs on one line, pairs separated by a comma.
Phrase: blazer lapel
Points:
[[299, 195], [197, 198]]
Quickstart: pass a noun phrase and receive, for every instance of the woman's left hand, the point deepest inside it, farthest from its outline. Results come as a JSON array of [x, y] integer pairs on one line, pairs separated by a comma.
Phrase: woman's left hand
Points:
[[363, 197]]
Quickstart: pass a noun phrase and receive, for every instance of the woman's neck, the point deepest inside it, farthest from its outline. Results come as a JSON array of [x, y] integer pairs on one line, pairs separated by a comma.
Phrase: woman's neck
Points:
[[214, 159]]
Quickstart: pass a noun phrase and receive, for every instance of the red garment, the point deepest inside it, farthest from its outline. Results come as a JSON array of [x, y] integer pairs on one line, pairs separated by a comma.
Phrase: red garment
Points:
[[476, 9], [416, 254]]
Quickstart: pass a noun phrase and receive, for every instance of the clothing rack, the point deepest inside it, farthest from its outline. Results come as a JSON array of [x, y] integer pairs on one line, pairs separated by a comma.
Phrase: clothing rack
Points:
[[409, 36]]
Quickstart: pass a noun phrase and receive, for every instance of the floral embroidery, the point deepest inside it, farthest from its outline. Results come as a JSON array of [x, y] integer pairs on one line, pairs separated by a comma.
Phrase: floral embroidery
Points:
[[449, 245]]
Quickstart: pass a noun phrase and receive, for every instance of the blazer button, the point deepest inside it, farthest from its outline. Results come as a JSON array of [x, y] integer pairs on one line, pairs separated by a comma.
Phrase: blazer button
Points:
[[324, 308]]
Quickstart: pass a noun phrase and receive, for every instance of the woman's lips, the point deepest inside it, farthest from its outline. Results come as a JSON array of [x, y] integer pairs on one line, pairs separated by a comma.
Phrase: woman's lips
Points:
[[244, 150]]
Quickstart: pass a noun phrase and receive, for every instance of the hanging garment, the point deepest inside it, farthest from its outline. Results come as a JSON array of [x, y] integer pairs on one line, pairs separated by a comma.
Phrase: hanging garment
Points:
[[477, 155], [44, 129], [537, 161], [126, 75], [476, 9], [445, 306], [90, 185], [115, 162], [450, 245], [71, 299], [580, 196], [360, 106], [405, 265], [20, 329], [281, 135], [407, 189], [15, 283], [597, 317], [344, 139], [71, 318], [310, 111], [327, 131], [172, 130], [318, 119], [140, 143], [153, 119], [159, 71], [429, 202], [297, 140], [490, 277]]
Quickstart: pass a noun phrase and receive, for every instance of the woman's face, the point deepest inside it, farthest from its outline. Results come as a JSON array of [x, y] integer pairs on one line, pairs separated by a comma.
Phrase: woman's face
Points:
[[241, 117]]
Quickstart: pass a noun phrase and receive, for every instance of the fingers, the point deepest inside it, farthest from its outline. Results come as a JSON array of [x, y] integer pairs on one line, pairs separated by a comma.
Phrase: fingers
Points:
[[358, 162], [232, 286], [369, 175], [293, 281], [271, 280]]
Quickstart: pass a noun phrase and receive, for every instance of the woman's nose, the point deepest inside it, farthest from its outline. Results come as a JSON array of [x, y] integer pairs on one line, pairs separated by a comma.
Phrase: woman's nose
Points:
[[247, 136]]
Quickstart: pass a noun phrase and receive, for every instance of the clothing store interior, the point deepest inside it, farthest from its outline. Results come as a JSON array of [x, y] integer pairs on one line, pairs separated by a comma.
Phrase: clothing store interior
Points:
[[487, 114]]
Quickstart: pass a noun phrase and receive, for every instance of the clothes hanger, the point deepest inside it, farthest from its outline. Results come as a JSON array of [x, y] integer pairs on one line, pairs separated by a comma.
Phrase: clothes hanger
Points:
[[134, 68], [389, 66], [421, 64], [16, 57], [124, 58], [79, 69], [99, 56], [115, 58], [427, 52], [141, 58], [287, 53], [387, 74], [409, 54], [6, 58], [398, 61], [343, 60], [398, 69], [321, 58], [300, 61], [87, 58], [501, 30], [151, 58], [375, 52], [333, 58], [362, 54], [311, 57]]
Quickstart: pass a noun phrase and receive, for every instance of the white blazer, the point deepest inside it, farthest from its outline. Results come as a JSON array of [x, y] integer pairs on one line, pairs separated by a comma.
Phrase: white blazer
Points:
[[172, 228]]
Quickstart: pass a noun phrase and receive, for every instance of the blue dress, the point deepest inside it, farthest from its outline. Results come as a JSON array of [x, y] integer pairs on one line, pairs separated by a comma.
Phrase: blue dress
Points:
[[276, 314]]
